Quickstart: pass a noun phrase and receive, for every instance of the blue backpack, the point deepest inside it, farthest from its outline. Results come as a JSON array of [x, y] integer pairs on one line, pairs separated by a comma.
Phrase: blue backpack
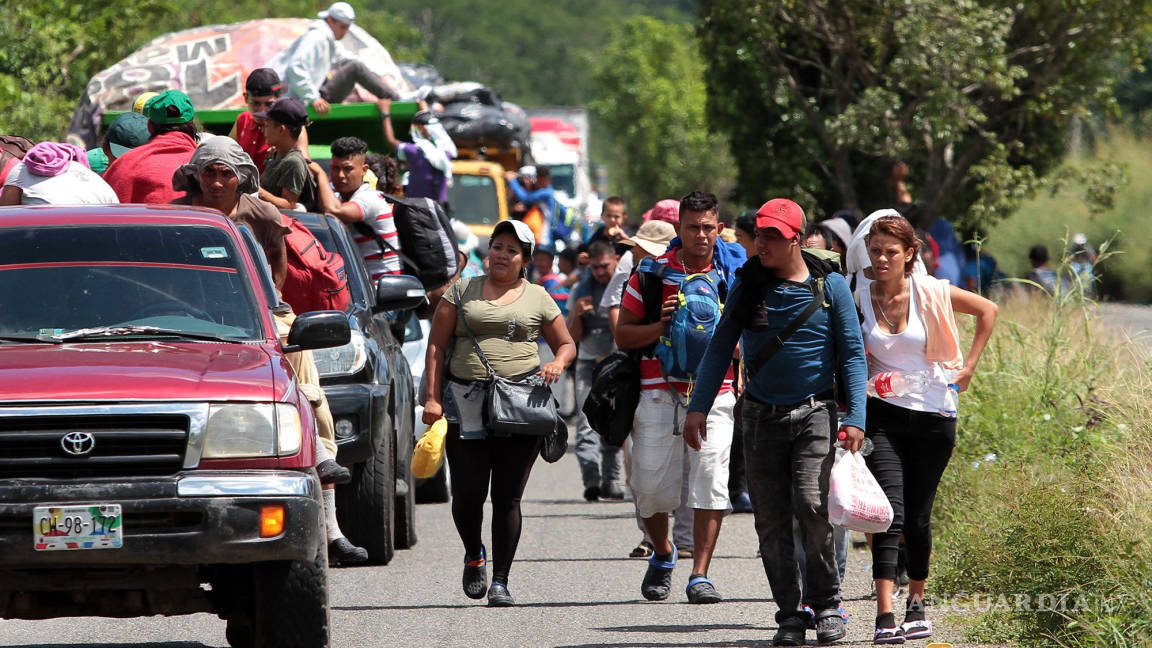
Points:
[[700, 303]]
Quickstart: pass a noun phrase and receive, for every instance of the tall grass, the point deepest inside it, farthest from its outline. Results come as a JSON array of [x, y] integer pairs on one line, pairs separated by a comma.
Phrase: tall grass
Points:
[[1046, 507], [1047, 219]]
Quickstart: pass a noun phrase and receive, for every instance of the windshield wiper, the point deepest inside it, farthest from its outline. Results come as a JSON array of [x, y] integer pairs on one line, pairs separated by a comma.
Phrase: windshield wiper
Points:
[[26, 339], [147, 331]]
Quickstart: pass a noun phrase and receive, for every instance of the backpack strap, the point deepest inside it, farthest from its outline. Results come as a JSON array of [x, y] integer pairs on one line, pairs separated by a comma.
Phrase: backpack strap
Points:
[[777, 343], [364, 229], [468, 330]]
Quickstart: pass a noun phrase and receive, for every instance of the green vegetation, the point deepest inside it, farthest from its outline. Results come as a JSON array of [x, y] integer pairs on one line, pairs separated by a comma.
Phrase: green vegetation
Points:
[[820, 98], [654, 106], [1044, 510]]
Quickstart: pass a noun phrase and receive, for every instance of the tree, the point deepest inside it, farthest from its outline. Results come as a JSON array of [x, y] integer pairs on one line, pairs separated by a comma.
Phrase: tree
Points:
[[821, 97], [650, 95]]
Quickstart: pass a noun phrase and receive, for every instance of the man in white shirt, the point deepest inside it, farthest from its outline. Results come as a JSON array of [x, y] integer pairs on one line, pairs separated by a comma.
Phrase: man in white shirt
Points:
[[359, 202], [318, 71]]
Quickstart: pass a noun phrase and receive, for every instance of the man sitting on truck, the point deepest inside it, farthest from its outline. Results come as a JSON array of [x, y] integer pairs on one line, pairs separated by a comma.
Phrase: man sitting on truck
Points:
[[360, 205], [317, 71]]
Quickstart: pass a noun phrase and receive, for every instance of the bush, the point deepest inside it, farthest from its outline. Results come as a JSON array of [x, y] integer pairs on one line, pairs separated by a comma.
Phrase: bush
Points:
[[1047, 506]]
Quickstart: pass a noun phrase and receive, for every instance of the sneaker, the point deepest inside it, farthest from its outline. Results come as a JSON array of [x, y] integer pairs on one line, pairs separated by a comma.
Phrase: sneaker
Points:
[[790, 633], [742, 503], [642, 550], [885, 636], [612, 492], [476, 576], [700, 590], [657, 581], [592, 493], [830, 627], [498, 596], [331, 472], [341, 551], [916, 629]]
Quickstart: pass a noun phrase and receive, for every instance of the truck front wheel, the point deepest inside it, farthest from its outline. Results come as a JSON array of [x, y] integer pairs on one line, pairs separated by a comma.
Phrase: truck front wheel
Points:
[[289, 606]]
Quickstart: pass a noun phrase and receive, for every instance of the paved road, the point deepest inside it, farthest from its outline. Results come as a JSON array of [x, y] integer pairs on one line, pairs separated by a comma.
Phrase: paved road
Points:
[[572, 578]]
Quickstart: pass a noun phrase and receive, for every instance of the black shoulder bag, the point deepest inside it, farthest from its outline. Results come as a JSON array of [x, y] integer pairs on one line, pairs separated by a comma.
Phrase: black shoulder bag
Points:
[[524, 407]]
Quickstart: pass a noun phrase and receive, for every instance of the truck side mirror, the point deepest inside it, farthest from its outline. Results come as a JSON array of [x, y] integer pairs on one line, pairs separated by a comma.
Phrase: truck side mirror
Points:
[[318, 330], [398, 292]]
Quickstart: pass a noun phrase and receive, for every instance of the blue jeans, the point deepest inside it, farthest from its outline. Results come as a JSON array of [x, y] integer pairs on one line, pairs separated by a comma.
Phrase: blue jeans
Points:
[[789, 454]]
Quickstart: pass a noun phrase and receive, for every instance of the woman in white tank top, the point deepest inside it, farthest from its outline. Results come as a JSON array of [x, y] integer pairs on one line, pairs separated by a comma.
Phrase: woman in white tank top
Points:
[[909, 327]]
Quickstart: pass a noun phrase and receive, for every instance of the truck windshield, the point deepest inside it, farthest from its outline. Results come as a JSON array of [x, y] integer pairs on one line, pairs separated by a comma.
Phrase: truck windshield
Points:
[[474, 200], [59, 279], [564, 178]]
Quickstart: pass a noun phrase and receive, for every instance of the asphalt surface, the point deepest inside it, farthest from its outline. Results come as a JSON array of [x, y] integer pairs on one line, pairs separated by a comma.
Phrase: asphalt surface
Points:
[[572, 579]]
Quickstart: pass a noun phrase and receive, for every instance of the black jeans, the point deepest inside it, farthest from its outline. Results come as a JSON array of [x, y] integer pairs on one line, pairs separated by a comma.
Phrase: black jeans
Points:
[[346, 75], [737, 474], [506, 462], [789, 455], [912, 450]]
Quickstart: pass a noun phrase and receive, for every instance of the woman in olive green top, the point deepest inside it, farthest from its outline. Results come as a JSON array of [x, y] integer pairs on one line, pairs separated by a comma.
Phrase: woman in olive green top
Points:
[[507, 314]]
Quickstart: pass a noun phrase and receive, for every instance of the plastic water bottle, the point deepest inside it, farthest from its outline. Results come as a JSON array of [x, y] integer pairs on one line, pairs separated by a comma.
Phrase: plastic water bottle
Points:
[[951, 400], [888, 384]]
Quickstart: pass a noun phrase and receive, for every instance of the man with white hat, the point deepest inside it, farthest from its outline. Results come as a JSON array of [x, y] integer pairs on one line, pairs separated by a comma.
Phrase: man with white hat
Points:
[[317, 70]]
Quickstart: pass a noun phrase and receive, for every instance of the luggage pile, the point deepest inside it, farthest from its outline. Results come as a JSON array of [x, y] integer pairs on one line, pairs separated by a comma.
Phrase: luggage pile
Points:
[[473, 113]]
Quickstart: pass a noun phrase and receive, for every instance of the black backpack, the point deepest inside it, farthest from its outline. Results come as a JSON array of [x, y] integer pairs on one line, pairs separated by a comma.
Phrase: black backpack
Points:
[[428, 245], [615, 391]]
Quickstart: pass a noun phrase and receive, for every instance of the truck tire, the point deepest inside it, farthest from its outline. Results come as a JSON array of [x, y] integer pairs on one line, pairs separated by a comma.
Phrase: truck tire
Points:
[[434, 490], [289, 604], [405, 485], [365, 506]]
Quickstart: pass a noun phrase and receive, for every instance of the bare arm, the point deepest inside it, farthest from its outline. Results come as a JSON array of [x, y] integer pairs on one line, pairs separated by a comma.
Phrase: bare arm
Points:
[[632, 333], [385, 106], [234, 133], [556, 333], [439, 336], [286, 199], [985, 312], [11, 195]]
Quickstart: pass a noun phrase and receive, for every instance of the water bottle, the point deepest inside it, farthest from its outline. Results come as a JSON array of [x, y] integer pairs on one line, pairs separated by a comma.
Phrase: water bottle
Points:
[[865, 449], [951, 400], [888, 384]]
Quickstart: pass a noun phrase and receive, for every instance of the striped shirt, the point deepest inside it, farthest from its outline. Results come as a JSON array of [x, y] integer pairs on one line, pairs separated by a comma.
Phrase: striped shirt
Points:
[[377, 213], [651, 377]]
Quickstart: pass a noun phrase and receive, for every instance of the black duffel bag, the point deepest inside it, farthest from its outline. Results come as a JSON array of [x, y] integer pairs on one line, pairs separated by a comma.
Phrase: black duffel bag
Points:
[[614, 396]]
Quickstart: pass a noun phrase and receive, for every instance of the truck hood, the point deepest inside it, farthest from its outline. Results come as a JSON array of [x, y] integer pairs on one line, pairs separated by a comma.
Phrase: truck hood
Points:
[[119, 371]]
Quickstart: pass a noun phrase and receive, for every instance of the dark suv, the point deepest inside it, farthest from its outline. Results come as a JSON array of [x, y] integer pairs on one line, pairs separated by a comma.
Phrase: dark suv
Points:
[[369, 388]]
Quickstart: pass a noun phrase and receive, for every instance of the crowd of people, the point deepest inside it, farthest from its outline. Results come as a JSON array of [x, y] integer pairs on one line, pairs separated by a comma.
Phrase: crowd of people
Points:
[[745, 418]]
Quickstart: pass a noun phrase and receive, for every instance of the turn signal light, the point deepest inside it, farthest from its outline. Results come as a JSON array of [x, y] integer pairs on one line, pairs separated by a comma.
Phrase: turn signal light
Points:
[[271, 521]]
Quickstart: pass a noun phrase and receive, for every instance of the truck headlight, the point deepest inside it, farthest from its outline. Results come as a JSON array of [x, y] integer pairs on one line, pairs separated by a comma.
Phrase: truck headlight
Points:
[[252, 430], [343, 360]]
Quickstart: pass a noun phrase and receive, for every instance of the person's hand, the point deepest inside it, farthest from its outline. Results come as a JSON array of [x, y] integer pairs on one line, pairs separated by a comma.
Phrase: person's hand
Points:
[[421, 104], [615, 233], [583, 305], [668, 310], [510, 176], [433, 410], [321, 106], [963, 377], [851, 438], [316, 169], [550, 372], [384, 105], [695, 429]]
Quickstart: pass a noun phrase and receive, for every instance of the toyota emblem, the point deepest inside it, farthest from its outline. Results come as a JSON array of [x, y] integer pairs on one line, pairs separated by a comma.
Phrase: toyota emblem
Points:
[[78, 443]]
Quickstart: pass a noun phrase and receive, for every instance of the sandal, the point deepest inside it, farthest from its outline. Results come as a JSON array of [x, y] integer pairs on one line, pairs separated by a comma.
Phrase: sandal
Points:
[[921, 629], [888, 636], [701, 590], [642, 550], [476, 576]]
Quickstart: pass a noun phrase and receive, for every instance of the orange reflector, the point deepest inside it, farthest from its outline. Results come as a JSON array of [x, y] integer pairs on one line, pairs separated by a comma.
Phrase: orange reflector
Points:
[[271, 521]]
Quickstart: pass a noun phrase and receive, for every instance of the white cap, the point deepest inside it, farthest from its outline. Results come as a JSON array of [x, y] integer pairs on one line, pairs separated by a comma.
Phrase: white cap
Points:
[[520, 229], [1079, 239], [340, 12], [528, 171]]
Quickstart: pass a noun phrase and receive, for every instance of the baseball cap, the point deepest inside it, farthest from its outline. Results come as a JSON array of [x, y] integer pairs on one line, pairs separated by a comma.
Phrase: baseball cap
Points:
[[263, 82], [653, 237], [169, 107], [522, 232], [138, 102], [528, 171], [340, 12], [288, 111], [97, 160], [782, 215], [126, 132]]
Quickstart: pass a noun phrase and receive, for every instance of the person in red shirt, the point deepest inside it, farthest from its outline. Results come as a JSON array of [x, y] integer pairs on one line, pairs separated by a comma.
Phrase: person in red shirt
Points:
[[658, 450], [261, 90], [144, 174]]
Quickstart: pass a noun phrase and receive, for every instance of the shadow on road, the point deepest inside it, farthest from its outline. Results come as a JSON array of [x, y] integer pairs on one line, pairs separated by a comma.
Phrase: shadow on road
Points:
[[164, 644]]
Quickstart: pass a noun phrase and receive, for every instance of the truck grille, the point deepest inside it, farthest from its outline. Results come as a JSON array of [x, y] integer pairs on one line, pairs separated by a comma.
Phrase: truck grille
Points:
[[117, 445]]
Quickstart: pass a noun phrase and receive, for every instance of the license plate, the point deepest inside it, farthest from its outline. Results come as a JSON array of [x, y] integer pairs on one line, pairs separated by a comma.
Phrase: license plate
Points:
[[86, 526]]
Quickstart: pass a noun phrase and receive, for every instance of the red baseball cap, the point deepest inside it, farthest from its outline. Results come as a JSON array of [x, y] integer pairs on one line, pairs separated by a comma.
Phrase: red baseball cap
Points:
[[782, 215]]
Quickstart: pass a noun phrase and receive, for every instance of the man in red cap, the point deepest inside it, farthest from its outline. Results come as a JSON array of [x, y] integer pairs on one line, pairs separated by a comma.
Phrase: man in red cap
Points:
[[799, 329]]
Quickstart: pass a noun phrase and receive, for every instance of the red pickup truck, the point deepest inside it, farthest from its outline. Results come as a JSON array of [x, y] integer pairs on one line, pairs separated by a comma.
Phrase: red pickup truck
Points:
[[155, 451]]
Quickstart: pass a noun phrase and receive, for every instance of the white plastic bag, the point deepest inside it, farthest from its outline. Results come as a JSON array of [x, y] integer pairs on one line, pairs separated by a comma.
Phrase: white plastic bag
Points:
[[855, 499]]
